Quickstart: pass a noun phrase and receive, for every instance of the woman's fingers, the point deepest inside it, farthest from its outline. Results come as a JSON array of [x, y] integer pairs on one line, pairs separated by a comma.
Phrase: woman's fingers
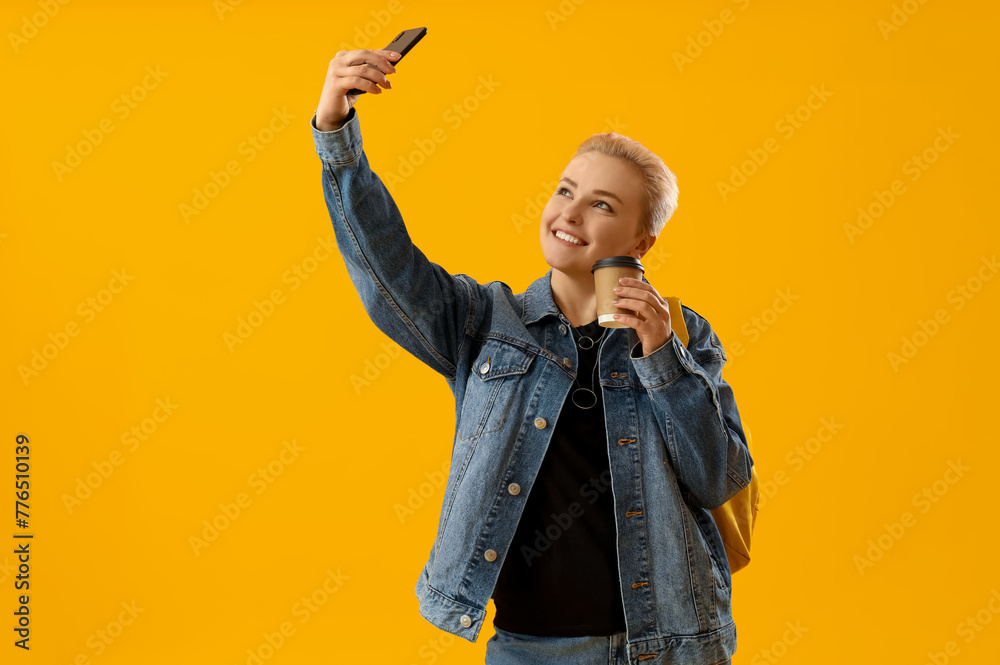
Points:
[[380, 59], [364, 69], [377, 61], [652, 314], [387, 59], [362, 76], [637, 306], [638, 296], [370, 75], [361, 69], [635, 291]]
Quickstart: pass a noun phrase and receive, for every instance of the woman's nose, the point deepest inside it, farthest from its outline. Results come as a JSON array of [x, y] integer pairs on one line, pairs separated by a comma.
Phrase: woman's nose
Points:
[[571, 213]]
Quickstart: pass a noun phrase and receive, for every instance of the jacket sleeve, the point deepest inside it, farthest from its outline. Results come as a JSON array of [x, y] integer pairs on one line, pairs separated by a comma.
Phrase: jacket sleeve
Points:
[[414, 301], [697, 412]]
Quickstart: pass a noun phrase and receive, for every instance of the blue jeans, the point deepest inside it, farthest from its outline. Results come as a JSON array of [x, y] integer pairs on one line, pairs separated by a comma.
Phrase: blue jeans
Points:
[[506, 648]]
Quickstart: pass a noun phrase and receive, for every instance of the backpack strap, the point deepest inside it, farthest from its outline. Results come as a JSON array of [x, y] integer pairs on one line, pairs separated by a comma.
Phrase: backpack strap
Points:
[[677, 319], [737, 517]]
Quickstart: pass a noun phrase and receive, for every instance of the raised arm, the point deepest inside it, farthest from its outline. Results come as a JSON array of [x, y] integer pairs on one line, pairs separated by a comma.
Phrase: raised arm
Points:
[[414, 301]]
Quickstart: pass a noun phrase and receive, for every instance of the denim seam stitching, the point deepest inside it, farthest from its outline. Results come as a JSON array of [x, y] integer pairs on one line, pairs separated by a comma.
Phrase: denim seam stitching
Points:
[[451, 372]]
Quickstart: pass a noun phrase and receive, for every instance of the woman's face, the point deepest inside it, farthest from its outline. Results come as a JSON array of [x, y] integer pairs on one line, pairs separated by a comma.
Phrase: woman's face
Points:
[[597, 201]]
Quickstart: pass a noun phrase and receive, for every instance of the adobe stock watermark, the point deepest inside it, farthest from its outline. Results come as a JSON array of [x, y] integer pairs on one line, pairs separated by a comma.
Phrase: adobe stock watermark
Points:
[[958, 297], [430, 651], [562, 12], [714, 28], [259, 480], [248, 148], [373, 367], [303, 609], [294, 277], [454, 116], [970, 627], [924, 500], [900, 14], [914, 167], [87, 310], [30, 25], [365, 36], [101, 639], [7, 570], [417, 497], [798, 457], [779, 648], [223, 7], [786, 126], [122, 106], [654, 260], [974, 624], [761, 323], [591, 490], [131, 439]]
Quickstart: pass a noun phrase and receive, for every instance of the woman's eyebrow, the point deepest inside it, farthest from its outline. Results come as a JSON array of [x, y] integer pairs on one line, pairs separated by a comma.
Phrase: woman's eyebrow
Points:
[[601, 192]]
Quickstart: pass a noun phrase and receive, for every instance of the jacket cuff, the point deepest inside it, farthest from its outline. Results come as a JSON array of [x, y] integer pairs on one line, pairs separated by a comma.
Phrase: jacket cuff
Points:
[[340, 146], [662, 365]]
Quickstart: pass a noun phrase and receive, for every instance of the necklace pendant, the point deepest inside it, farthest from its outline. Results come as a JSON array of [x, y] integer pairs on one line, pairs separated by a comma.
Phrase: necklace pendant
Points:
[[587, 396]]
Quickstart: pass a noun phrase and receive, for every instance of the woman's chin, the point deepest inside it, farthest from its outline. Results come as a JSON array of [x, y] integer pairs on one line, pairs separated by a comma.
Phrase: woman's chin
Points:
[[569, 268]]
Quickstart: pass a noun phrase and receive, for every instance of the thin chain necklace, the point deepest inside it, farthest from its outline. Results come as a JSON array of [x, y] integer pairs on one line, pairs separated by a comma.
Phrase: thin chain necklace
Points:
[[586, 395]]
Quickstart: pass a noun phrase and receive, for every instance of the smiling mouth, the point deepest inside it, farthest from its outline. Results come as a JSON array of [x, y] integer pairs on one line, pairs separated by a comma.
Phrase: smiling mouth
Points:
[[579, 242]]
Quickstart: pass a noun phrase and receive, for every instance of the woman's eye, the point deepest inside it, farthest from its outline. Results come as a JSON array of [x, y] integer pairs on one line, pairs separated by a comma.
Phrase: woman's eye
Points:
[[609, 208]]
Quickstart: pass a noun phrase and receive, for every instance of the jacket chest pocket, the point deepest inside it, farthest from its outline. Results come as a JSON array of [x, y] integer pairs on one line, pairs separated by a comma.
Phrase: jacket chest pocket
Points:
[[491, 392]]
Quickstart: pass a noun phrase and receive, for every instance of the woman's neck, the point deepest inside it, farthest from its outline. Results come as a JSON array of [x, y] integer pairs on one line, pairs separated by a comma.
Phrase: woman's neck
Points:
[[575, 297]]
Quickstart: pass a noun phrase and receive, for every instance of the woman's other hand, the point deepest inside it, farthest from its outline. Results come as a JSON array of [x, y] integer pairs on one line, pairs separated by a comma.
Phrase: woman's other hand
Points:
[[652, 320]]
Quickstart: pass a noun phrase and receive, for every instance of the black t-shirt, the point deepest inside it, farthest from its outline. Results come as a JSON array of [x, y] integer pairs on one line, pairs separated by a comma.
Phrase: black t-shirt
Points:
[[560, 575]]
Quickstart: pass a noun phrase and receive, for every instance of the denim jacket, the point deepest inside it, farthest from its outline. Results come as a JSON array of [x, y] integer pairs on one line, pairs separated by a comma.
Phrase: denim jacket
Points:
[[676, 446]]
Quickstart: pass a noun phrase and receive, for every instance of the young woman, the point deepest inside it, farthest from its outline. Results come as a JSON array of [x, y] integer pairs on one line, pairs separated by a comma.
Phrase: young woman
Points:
[[586, 459]]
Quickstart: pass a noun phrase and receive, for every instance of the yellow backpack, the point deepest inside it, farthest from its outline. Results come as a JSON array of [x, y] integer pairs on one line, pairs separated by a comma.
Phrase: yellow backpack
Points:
[[735, 518]]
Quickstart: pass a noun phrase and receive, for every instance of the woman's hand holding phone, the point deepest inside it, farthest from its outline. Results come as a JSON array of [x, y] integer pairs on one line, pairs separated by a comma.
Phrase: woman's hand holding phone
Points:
[[362, 69]]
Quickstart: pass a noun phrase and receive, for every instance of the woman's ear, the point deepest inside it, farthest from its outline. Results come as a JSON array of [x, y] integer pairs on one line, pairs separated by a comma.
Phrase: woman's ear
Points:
[[644, 246]]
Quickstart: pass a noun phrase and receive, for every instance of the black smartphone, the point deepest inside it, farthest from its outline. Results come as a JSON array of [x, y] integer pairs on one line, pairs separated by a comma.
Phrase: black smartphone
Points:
[[402, 44]]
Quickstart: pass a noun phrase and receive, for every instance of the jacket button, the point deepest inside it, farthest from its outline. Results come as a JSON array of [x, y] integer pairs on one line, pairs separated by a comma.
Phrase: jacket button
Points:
[[465, 620], [562, 328], [513, 488], [485, 367], [540, 422], [490, 555]]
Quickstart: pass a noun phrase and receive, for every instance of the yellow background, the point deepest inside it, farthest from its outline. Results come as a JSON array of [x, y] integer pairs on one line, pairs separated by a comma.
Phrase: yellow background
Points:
[[564, 71]]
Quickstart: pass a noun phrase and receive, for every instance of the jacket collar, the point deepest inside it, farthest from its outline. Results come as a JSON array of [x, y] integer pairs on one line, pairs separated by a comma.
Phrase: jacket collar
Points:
[[538, 301]]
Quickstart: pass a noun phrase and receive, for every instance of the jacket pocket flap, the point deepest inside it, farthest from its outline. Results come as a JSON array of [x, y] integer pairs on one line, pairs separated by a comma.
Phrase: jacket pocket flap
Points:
[[499, 358]]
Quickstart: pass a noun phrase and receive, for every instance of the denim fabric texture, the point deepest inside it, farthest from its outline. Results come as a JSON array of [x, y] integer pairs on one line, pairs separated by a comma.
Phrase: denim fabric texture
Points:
[[507, 648], [676, 445]]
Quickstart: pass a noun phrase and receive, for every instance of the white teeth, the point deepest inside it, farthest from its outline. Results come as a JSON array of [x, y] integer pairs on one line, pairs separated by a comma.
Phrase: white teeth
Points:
[[567, 237]]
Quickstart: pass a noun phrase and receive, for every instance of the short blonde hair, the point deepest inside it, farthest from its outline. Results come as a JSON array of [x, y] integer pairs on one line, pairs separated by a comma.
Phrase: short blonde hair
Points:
[[659, 184]]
